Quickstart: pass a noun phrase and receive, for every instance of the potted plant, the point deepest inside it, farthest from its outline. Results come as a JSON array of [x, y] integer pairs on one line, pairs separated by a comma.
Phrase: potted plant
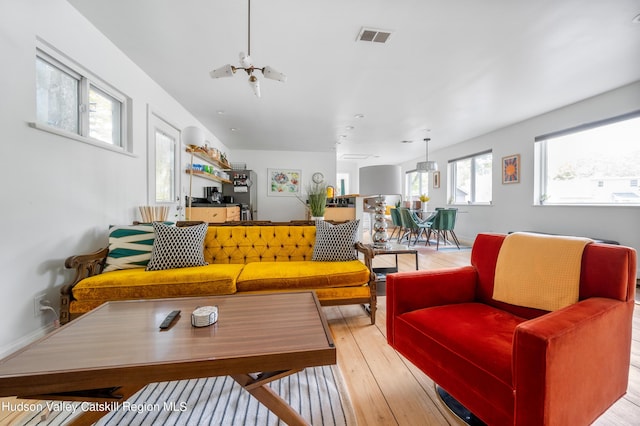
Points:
[[317, 199]]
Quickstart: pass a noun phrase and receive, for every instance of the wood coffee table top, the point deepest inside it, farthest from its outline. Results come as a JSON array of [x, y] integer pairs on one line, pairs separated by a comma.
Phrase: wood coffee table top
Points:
[[120, 343]]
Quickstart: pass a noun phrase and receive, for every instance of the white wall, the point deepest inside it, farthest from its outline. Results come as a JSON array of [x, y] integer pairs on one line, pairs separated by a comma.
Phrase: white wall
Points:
[[282, 209], [59, 195], [512, 208]]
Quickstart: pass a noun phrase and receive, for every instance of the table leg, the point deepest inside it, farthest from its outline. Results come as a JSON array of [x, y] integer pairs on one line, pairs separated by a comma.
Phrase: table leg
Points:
[[263, 393], [87, 418]]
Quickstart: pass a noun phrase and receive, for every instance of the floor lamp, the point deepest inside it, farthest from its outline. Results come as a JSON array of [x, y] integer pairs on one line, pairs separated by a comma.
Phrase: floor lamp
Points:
[[380, 181]]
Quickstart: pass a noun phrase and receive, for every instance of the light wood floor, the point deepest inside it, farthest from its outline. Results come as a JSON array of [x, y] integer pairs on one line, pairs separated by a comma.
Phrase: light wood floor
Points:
[[386, 389]]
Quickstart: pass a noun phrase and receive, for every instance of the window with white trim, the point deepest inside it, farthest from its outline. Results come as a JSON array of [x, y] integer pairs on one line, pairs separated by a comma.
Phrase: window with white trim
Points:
[[416, 185], [593, 164], [164, 161], [471, 179], [71, 101]]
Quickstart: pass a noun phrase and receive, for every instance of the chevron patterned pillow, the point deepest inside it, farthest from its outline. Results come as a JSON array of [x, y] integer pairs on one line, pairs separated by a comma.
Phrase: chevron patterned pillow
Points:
[[335, 243], [129, 247], [176, 247]]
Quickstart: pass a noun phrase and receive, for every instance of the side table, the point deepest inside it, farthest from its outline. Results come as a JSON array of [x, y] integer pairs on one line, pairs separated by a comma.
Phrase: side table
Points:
[[381, 272]]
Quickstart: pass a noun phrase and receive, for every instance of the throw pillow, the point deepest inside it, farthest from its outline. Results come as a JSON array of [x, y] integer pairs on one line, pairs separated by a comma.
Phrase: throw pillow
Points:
[[335, 242], [176, 247], [129, 247]]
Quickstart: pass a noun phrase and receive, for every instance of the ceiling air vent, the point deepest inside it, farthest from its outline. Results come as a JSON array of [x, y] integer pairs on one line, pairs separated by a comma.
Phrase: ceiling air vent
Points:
[[373, 35]]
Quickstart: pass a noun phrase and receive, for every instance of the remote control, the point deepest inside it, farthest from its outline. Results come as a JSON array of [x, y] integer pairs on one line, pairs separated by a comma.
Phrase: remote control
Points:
[[169, 319]]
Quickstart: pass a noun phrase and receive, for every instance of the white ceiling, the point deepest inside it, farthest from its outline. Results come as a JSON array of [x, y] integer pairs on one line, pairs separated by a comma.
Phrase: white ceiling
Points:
[[459, 68]]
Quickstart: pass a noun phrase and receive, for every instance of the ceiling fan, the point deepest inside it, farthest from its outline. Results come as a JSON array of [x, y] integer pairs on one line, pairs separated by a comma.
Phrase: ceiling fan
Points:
[[247, 65]]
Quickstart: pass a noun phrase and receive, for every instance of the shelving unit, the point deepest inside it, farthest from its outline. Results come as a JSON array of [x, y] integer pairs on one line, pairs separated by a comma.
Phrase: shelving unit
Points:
[[211, 160], [216, 162], [205, 175], [209, 176]]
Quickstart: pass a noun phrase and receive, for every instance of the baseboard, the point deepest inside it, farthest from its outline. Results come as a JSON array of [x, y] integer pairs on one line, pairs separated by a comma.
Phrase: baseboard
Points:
[[25, 340]]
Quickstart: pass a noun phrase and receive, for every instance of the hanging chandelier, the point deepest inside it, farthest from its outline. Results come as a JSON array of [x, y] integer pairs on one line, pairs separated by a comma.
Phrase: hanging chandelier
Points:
[[426, 166], [247, 66]]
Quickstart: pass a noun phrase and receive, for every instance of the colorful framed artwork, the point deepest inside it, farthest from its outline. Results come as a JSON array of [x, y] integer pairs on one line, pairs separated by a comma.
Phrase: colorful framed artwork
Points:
[[511, 169], [283, 182], [436, 180]]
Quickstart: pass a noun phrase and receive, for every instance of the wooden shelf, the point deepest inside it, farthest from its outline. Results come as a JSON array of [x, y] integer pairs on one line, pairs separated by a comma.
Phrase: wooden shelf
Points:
[[216, 162], [206, 175]]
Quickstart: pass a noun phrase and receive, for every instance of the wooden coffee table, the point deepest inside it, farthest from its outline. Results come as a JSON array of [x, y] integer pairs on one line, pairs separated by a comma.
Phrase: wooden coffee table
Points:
[[110, 353]]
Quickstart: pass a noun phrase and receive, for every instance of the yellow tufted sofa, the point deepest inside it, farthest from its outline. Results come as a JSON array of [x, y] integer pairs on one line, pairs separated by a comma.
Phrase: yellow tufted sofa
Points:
[[242, 259]]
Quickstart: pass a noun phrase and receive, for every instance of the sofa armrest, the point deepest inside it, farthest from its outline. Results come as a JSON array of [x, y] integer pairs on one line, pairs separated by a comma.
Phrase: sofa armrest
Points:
[[367, 251], [408, 291], [572, 364], [85, 265]]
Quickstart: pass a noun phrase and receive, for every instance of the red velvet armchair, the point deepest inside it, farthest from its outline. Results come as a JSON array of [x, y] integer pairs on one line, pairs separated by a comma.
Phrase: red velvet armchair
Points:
[[515, 365]]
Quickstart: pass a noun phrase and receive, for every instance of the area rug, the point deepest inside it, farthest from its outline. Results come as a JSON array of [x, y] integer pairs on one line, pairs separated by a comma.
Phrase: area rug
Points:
[[318, 394]]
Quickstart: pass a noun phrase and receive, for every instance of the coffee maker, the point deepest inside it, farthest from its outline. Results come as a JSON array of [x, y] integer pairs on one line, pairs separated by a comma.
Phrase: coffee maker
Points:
[[212, 194]]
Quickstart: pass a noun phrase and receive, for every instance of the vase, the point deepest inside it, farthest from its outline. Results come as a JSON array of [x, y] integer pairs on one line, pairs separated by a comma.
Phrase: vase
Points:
[[314, 218], [424, 207]]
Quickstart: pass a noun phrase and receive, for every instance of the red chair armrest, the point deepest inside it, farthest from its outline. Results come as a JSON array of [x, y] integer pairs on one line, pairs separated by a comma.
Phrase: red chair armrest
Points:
[[572, 364], [408, 291]]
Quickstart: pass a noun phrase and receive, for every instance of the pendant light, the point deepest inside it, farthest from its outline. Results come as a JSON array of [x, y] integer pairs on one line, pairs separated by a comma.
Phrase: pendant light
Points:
[[426, 166]]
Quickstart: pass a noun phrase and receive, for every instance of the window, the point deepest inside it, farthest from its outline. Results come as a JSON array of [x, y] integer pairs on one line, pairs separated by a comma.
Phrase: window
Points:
[[596, 163], [105, 113], [57, 95], [165, 170], [416, 184], [72, 102], [471, 179], [164, 144]]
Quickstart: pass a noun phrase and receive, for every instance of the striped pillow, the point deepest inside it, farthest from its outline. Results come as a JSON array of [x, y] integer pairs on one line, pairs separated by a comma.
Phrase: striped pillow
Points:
[[129, 246]]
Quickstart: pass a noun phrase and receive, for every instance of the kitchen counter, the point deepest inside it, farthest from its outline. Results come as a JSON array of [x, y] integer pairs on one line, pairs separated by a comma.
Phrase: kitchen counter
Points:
[[340, 213], [213, 213], [215, 205]]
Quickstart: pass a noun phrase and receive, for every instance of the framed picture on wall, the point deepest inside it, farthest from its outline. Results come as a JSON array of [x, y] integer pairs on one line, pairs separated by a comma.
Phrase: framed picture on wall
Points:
[[284, 182], [511, 169], [436, 179]]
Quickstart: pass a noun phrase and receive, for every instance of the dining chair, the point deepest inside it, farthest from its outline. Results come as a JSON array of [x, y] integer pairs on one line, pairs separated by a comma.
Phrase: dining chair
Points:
[[397, 223], [414, 226], [443, 224]]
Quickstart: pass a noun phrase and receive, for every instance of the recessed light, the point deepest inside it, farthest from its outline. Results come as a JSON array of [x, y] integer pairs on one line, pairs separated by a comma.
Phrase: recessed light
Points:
[[636, 20], [350, 127], [221, 112], [406, 141], [358, 116], [233, 129]]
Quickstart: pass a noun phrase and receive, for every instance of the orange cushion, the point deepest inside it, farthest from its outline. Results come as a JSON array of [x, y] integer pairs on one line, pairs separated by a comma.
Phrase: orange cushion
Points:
[[244, 244], [140, 284], [301, 275]]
